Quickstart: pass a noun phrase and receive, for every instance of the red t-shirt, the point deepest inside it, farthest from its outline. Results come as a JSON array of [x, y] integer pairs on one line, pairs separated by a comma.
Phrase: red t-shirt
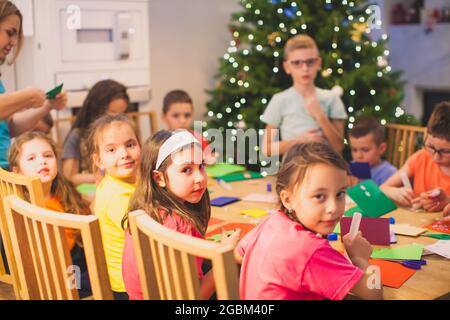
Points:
[[129, 267], [282, 261]]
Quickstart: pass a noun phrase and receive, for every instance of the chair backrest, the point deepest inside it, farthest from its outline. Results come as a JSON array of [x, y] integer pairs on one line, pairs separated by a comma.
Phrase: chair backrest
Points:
[[62, 125], [167, 266], [42, 254], [21, 186], [402, 142]]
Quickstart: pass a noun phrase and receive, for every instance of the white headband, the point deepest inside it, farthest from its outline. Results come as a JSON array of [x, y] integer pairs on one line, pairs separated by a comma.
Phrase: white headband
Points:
[[178, 140]]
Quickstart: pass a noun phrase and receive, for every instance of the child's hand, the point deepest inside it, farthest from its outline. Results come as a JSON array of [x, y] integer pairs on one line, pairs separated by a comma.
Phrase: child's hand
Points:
[[232, 239], [434, 200], [402, 196], [59, 102], [312, 135], [446, 213], [211, 158], [358, 249], [312, 104]]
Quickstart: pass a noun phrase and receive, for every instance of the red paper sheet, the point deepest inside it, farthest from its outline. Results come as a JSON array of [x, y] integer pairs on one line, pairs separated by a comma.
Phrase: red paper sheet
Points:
[[440, 226], [245, 228], [375, 230], [393, 274]]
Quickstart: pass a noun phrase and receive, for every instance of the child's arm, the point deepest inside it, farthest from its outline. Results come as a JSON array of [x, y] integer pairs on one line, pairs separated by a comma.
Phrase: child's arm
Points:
[[333, 130], [273, 147], [394, 189], [70, 171], [19, 100], [359, 251], [433, 203]]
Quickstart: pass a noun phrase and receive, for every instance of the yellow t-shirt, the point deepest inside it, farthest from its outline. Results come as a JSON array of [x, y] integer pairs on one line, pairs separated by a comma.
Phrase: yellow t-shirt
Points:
[[111, 204]]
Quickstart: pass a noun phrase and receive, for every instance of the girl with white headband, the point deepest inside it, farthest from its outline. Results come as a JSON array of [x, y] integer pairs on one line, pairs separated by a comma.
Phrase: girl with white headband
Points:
[[171, 188], [117, 153]]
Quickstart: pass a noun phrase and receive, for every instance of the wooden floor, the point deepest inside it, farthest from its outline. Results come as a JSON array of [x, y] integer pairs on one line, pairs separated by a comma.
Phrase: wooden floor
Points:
[[6, 292]]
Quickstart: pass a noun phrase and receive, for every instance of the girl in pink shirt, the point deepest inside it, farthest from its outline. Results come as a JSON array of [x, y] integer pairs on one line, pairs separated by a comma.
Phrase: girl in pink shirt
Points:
[[287, 255], [171, 188]]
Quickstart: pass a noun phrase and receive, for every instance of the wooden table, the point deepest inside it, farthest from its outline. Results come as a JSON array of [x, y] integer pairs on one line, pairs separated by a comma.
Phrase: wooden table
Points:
[[431, 282]]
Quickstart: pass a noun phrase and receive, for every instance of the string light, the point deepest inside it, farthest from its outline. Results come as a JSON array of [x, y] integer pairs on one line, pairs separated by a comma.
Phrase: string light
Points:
[[350, 109], [260, 22], [210, 114], [263, 100], [228, 110], [241, 19], [276, 54], [251, 37], [377, 108], [237, 105], [275, 69]]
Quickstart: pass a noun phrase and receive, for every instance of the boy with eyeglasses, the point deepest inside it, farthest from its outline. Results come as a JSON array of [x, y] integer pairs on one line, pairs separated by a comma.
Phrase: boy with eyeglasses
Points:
[[428, 168], [303, 112]]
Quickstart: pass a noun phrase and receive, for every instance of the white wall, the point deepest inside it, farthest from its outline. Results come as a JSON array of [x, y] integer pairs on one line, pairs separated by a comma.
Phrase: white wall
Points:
[[187, 38]]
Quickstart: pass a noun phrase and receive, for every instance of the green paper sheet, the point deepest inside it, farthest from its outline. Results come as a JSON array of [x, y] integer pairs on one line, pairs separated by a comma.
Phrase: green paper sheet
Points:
[[439, 236], [86, 188], [409, 252], [371, 199], [218, 237], [350, 212], [223, 169], [54, 92], [239, 176], [337, 228]]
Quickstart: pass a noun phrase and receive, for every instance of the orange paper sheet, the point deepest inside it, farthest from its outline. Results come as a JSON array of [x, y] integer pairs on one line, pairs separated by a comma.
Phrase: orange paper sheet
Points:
[[440, 226], [393, 274], [213, 221], [245, 228]]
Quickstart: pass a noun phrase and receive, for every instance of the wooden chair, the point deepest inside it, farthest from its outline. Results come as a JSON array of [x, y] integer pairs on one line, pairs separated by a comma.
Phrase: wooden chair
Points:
[[59, 134], [42, 254], [167, 265], [402, 142], [21, 186]]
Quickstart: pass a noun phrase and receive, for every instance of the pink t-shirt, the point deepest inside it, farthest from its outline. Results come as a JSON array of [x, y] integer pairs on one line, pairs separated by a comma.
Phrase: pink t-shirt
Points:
[[129, 266], [282, 261]]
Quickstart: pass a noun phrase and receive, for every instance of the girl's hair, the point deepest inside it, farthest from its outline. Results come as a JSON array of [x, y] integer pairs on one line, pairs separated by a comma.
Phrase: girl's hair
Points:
[[151, 198], [61, 188], [99, 125], [440, 121], [7, 8], [299, 159], [96, 103]]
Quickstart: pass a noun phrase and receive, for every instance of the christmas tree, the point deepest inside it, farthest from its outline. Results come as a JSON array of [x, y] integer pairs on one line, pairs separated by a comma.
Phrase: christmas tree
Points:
[[251, 71]]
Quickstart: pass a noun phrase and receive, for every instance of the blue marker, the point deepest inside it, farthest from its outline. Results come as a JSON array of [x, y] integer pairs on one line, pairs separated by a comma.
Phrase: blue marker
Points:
[[269, 187]]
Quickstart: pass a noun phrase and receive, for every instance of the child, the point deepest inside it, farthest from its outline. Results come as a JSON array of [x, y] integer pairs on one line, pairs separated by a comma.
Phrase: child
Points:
[[290, 250], [429, 168], [116, 151], [303, 112], [106, 96], [34, 154], [367, 145], [175, 196], [178, 114]]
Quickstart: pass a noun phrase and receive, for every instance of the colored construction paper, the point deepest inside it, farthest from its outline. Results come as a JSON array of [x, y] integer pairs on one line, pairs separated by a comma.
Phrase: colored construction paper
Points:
[[440, 226], [223, 169], [86, 188], [255, 213], [407, 230], [223, 201], [370, 199], [337, 228], [393, 274], [245, 228], [442, 248], [213, 221], [261, 197], [350, 212], [361, 170], [54, 92], [408, 252], [239, 176], [218, 237], [439, 236], [375, 230]]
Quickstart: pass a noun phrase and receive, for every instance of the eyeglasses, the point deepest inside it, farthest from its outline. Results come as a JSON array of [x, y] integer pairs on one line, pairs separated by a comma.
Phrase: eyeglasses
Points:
[[299, 63], [440, 152]]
